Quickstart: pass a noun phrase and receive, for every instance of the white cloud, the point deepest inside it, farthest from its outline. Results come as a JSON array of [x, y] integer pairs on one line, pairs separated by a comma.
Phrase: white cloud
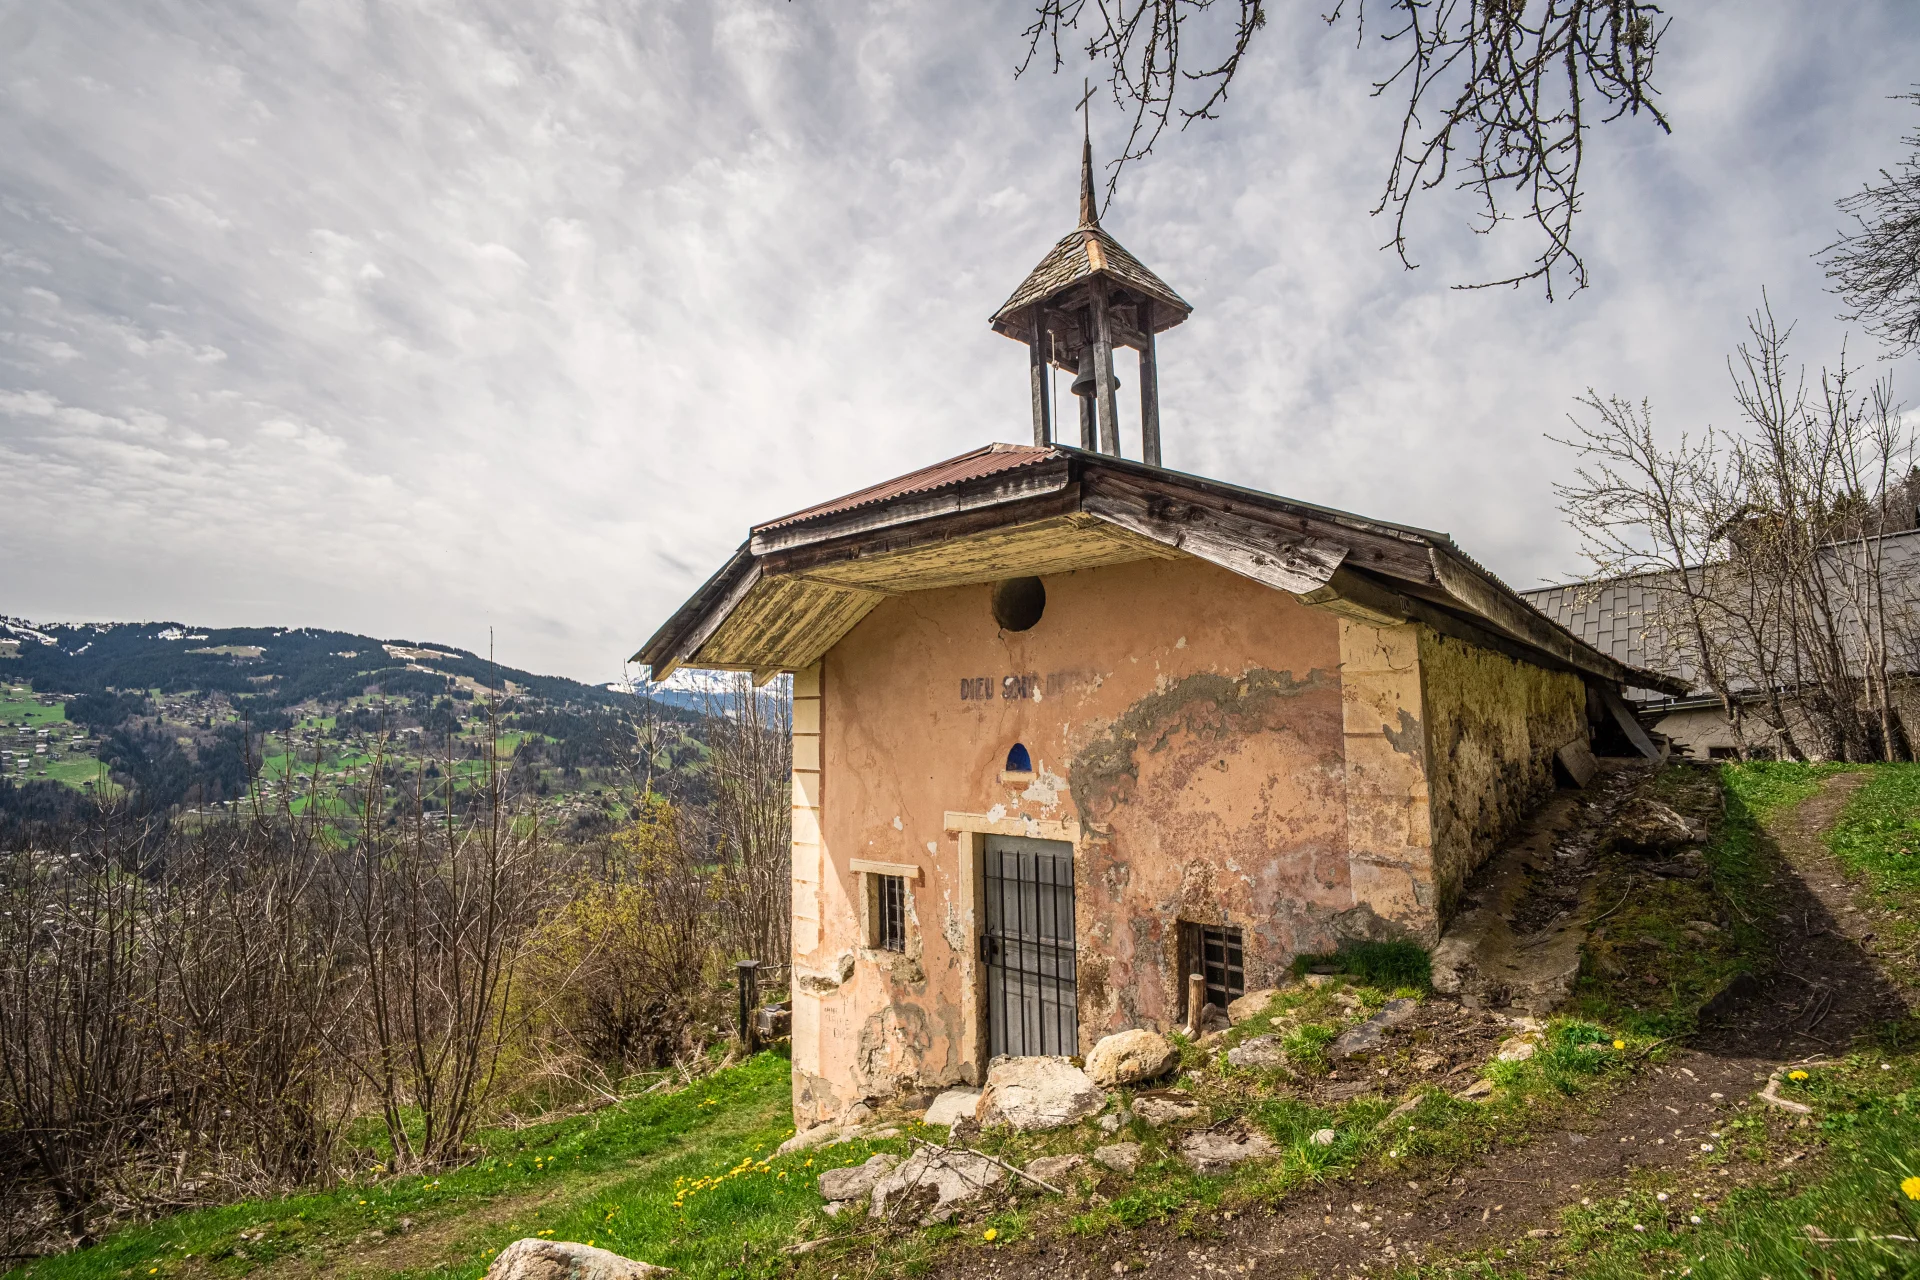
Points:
[[421, 319]]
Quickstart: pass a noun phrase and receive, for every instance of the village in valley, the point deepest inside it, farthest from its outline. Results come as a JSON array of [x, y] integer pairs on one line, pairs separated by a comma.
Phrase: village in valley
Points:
[[1059, 810]]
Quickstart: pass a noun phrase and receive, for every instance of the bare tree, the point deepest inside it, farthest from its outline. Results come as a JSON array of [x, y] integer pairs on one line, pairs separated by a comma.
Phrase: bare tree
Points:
[[1649, 513], [749, 733], [440, 912], [1767, 546], [1876, 268], [1503, 91]]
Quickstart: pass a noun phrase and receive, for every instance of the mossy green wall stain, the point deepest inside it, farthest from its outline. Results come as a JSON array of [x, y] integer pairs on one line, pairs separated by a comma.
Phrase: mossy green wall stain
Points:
[[1493, 724], [1203, 704]]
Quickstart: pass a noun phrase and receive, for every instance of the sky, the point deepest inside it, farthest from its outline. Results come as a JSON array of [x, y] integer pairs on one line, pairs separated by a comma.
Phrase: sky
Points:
[[475, 321]]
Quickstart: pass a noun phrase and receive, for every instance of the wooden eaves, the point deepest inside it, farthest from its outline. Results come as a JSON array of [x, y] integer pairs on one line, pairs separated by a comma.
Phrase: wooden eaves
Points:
[[799, 584]]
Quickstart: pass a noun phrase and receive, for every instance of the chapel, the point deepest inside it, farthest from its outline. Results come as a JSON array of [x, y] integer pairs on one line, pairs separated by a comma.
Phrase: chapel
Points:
[[1069, 726]]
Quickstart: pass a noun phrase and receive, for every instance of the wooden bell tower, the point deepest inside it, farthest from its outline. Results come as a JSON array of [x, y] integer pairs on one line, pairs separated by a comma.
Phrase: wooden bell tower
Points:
[[1087, 296]]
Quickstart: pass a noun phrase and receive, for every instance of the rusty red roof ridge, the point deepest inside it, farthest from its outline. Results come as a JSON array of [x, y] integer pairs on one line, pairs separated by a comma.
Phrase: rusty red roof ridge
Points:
[[991, 459]]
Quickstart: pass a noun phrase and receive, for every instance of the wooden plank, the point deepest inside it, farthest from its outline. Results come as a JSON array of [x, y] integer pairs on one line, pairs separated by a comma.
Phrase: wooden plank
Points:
[[1519, 619], [709, 623], [1059, 545], [994, 490], [786, 623], [929, 532], [1106, 411], [1247, 547], [1396, 554], [1624, 717], [1038, 375], [1149, 390]]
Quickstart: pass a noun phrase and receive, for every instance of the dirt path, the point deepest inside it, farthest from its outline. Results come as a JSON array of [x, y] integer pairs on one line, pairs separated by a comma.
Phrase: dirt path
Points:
[[1824, 991]]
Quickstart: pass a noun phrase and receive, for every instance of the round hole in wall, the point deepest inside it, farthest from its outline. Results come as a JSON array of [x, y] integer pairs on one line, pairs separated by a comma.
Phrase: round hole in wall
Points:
[[1018, 603], [1018, 761]]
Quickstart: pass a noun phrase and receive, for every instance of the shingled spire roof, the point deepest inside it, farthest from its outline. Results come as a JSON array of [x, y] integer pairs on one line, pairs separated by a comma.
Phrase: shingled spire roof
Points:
[[1083, 252]]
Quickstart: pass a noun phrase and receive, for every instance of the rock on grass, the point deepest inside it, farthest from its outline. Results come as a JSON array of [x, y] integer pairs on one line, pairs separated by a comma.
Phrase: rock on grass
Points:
[[532, 1259]]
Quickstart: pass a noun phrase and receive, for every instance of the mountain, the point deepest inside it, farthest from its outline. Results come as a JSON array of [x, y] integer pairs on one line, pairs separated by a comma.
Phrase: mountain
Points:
[[182, 715]]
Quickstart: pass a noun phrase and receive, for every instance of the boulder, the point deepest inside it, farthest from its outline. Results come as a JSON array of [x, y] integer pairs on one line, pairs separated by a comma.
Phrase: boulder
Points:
[[857, 1180], [1250, 1005], [1324, 1138], [1121, 1157], [951, 1176], [1482, 1088], [954, 1104], [531, 1259], [1260, 1051], [1363, 1038], [1159, 1109], [1129, 1057], [1038, 1093], [1214, 1153], [1054, 1169], [1650, 829], [808, 1138], [1517, 1048]]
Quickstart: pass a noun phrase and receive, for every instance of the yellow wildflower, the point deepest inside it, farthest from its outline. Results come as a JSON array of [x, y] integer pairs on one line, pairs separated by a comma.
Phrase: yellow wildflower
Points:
[[990, 1234], [1911, 1187], [1619, 1044], [1796, 1075]]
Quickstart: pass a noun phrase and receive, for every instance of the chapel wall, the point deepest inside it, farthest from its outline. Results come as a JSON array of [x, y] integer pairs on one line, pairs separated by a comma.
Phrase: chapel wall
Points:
[[1185, 731], [1492, 725]]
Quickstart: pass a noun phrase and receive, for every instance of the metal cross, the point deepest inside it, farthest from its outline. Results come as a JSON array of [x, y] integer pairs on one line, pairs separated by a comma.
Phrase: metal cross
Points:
[[1085, 126]]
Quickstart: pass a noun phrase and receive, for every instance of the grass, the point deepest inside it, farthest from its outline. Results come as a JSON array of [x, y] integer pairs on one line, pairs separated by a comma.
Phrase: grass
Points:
[[1839, 1214], [1878, 839], [684, 1179], [1378, 964]]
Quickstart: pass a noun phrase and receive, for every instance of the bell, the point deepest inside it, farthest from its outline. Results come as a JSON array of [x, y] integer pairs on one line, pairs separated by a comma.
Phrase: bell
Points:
[[1082, 384]]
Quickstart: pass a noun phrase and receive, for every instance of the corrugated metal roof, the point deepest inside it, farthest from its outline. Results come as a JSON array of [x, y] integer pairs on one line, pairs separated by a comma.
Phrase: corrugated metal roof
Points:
[[992, 460]]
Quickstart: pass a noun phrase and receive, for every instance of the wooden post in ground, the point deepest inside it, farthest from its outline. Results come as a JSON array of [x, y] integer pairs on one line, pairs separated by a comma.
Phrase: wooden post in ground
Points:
[[1196, 1002]]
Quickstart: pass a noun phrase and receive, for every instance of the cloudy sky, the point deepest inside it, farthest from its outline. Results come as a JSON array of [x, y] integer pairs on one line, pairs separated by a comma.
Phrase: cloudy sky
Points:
[[425, 317]]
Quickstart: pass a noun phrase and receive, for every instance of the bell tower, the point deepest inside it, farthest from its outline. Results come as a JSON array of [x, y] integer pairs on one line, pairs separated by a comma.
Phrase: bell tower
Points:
[[1087, 296]]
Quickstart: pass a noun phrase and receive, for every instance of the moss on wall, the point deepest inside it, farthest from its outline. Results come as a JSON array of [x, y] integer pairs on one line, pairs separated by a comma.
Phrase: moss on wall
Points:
[[1493, 724]]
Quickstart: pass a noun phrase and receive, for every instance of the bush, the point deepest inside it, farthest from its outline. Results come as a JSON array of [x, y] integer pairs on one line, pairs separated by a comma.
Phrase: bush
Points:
[[624, 970]]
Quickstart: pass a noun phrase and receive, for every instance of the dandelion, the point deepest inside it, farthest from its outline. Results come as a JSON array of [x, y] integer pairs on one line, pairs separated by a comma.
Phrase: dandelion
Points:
[[1619, 1044], [990, 1234], [1911, 1188], [1796, 1075]]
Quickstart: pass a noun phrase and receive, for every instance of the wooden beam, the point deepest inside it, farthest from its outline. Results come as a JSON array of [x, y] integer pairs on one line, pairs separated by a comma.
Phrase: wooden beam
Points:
[[1522, 621], [933, 530], [1149, 391], [1007, 486], [1247, 547], [1368, 546], [706, 625], [1039, 375], [1106, 411]]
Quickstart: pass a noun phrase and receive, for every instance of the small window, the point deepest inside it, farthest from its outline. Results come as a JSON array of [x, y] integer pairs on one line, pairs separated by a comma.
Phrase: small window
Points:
[[1216, 953], [1018, 761], [1018, 603], [889, 913]]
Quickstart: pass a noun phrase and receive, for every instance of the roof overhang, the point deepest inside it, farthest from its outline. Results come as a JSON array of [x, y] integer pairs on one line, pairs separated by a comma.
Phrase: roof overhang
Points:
[[800, 584]]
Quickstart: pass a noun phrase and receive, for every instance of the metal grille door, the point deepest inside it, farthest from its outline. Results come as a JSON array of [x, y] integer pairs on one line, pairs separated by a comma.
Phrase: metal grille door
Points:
[[1027, 947]]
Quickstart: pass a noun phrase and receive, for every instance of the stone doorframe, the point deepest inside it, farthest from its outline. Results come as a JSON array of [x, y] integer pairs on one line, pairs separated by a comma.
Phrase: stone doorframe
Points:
[[968, 833]]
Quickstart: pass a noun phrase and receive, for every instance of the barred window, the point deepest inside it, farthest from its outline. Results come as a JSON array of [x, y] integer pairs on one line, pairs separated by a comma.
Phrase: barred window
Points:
[[890, 913], [1217, 953]]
